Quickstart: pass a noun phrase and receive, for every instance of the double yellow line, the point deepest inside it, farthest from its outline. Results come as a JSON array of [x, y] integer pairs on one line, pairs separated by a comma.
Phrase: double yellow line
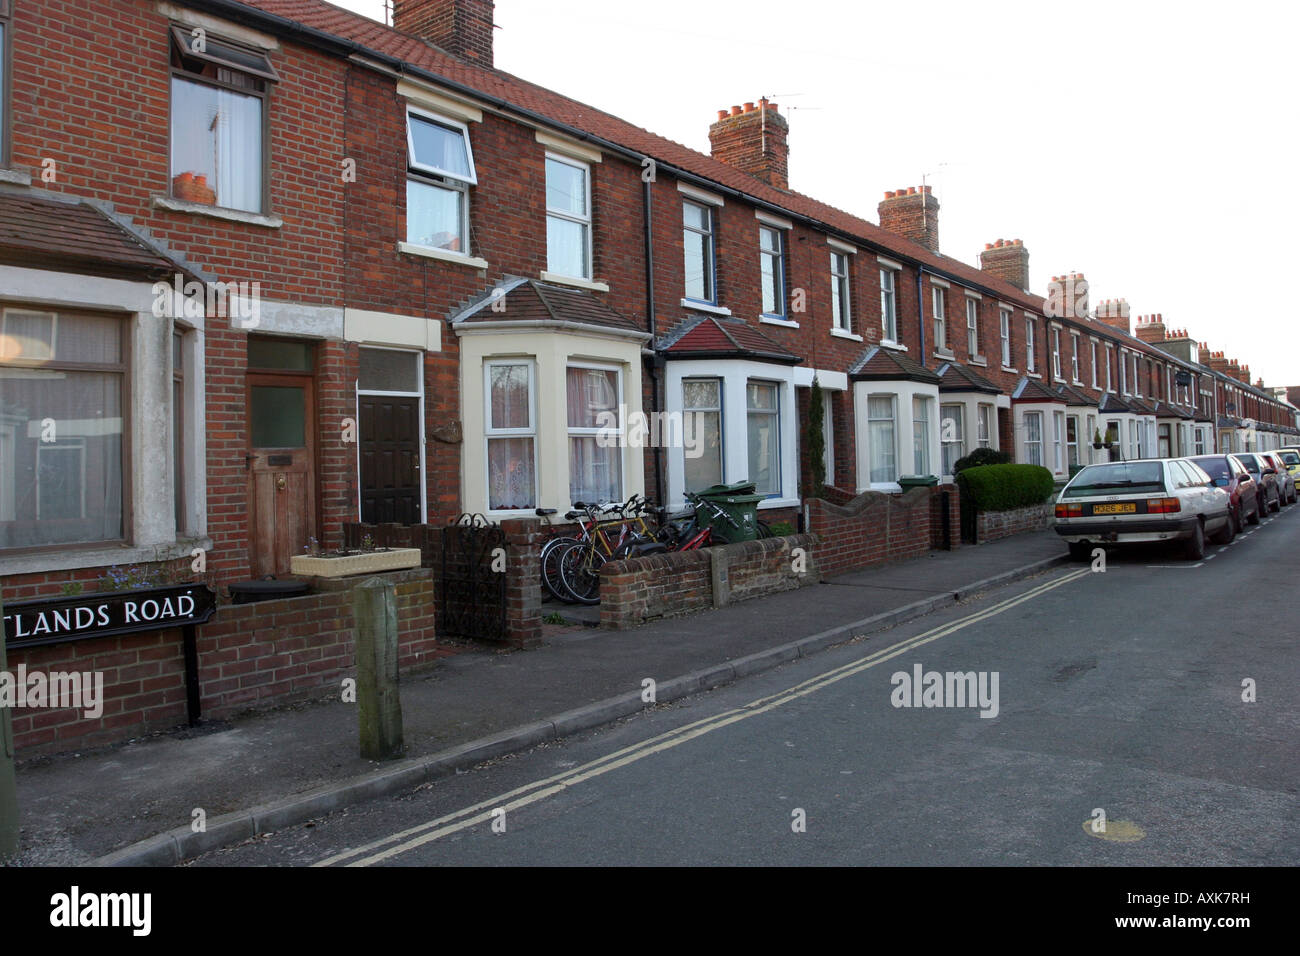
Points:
[[398, 843]]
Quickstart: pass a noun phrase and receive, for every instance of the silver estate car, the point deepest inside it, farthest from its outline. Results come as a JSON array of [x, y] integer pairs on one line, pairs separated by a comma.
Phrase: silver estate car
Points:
[[1150, 499]]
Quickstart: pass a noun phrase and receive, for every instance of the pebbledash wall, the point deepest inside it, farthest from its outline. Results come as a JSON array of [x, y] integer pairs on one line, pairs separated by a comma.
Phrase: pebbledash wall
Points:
[[250, 656]]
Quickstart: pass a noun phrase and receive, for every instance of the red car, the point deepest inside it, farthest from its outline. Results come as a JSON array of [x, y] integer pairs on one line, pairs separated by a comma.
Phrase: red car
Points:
[[1243, 494], [1284, 482]]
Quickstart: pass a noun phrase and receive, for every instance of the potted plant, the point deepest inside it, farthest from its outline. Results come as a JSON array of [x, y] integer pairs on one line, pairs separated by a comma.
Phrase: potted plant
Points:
[[1097, 441]]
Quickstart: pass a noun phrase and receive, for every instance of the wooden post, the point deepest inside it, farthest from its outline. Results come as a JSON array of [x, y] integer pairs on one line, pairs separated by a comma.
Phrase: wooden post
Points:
[[374, 608], [8, 782]]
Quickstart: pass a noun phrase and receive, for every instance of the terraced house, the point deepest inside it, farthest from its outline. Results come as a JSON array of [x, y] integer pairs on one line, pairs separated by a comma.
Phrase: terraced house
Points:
[[269, 267]]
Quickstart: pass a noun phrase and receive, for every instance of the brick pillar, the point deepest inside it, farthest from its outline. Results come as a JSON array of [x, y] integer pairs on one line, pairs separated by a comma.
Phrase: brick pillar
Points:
[[523, 581]]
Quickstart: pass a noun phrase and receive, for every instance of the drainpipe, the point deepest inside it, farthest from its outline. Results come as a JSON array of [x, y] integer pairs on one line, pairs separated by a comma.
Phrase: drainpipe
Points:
[[655, 363]]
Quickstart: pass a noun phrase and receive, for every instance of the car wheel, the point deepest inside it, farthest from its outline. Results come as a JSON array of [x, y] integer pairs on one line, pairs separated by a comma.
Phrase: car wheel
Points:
[[1225, 534], [1194, 549], [1261, 507], [1276, 504], [1253, 517], [1235, 517], [1080, 550]]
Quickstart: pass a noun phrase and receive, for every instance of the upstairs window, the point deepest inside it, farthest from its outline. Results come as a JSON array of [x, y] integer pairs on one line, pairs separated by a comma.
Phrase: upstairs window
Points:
[[1056, 353], [440, 172], [568, 219], [939, 299], [841, 314], [972, 327], [888, 307], [697, 242], [1004, 328], [218, 121], [1074, 357], [1029, 345], [771, 257], [1094, 364]]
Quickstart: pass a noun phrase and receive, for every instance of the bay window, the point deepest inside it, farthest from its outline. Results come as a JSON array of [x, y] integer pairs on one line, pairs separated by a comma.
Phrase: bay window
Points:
[[593, 396], [984, 435], [702, 431], [952, 434], [1072, 439], [920, 435], [511, 436], [880, 431], [62, 428], [1034, 438], [763, 420], [441, 170], [1058, 429], [218, 121]]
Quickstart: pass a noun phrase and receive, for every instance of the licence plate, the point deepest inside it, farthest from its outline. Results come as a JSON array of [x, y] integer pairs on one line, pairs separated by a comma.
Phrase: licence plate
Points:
[[1120, 509]]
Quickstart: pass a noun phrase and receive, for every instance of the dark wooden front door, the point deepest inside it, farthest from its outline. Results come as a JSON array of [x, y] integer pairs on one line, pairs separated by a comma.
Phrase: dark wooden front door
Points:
[[389, 442], [282, 470]]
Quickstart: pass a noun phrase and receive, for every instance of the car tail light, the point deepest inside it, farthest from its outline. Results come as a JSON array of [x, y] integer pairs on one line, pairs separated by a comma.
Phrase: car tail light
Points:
[[1163, 506], [1074, 510]]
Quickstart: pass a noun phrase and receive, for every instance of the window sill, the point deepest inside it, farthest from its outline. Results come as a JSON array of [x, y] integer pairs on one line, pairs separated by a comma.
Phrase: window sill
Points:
[[891, 344], [768, 503], [709, 307], [217, 212], [777, 320], [1033, 375], [841, 334], [18, 177], [558, 279], [979, 360], [98, 557], [1008, 368], [944, 354], [442, 255]]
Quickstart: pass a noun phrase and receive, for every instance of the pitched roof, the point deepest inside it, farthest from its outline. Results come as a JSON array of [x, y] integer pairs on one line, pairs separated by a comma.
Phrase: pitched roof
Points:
[[1139, 407], [958, 378], [1073, 396], [530, 301], [1110, 402], [1170, 410], [73, 237], [879, 364], [1032, 390], [715, 337]]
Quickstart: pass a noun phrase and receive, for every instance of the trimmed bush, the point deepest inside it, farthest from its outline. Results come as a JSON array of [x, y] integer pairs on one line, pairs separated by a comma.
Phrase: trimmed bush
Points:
[[1004, 487], [981, 456]]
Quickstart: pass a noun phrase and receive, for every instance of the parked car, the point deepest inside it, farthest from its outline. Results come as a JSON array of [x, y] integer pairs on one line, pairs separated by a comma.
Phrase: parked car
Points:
[[1231, 475], [1291, 458], [1285, 483], [1270, 497], [1148, 499]]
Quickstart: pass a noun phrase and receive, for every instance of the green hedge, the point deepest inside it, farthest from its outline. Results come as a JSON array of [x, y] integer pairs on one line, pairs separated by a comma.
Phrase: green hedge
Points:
[[1004, 487], [981, 456]]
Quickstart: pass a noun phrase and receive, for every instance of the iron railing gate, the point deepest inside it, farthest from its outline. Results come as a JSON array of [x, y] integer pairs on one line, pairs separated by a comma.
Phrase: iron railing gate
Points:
[[472, 583]]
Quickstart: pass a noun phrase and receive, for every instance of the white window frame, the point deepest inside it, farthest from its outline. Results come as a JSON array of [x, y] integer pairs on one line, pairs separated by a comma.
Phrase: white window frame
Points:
[[893, 432], [710, 239], [984, 417], [1030, 366], [1074, 358], [889, 304], [1072, 447], [616, 434], [1093, 343], [972, 327], [1056, 354], [1031, 443], [921, 402], [841, 291], [960, 440], [774, 414], [1123, 373], [1058, 441], [437, 178], [781, 309], [1004, 331], [1110, 351], [585, 222], [939, 304], [489, 432]]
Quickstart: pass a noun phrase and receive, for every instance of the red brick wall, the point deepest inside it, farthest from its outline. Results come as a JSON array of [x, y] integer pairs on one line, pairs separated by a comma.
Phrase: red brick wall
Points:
[[666, 585], [251, 656], [872, 528]]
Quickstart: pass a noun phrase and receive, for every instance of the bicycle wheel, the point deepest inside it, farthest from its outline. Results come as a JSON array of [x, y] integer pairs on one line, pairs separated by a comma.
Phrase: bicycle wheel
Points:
[[550, 564], [765, 530], [580, 566]]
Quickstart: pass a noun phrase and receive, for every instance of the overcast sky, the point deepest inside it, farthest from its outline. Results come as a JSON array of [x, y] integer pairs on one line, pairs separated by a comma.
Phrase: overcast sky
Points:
[[1150, 146]]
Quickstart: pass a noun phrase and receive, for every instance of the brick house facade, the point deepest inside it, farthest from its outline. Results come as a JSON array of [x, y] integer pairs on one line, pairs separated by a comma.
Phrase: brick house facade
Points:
[[446, 274]]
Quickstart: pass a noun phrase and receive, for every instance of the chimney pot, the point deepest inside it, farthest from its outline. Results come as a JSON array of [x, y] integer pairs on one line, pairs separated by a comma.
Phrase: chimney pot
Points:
[[911, 190], [722, 114], [889, 194], [736, 111], [988, 245], [749, 107]]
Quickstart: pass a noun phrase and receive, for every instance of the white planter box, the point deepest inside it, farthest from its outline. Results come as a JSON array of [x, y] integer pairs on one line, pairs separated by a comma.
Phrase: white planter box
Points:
[[370, 562]]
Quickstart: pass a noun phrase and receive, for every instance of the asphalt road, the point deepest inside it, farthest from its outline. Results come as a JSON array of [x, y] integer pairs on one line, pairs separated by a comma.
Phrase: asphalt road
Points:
[[1118, 693]]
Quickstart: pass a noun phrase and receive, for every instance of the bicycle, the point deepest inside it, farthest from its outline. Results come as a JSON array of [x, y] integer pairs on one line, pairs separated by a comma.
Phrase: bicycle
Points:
[[579, 563]]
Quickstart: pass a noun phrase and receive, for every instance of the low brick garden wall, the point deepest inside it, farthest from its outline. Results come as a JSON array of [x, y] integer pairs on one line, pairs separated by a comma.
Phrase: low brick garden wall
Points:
[[665, 585], [251, 656], [991, 525], [875, 528]]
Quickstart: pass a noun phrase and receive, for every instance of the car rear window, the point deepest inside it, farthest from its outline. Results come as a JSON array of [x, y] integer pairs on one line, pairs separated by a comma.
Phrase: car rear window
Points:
[[1251, 463], [1216, 468], [1290, 457], [1118, 478]]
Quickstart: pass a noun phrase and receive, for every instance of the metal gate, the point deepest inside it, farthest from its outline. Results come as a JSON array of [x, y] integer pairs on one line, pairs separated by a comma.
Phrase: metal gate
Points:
[[472, 582]]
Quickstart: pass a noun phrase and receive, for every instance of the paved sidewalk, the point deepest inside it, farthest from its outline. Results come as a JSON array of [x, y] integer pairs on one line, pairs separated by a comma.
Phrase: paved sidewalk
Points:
[[278, 768]]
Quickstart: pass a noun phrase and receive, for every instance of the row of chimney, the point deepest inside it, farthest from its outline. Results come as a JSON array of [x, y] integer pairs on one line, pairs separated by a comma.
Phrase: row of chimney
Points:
[[754, 138]]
